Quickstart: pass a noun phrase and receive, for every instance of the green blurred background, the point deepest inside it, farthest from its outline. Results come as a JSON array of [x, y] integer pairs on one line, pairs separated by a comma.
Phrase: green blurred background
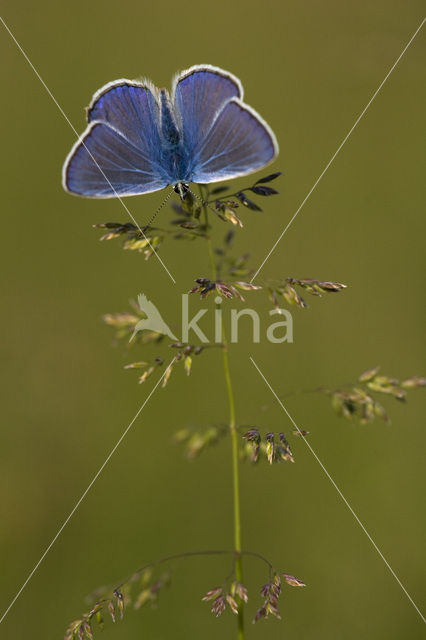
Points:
[[309, 68]]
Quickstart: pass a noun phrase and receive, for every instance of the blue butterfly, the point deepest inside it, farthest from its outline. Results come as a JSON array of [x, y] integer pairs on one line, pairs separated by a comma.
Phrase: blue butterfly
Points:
[[141, 139]]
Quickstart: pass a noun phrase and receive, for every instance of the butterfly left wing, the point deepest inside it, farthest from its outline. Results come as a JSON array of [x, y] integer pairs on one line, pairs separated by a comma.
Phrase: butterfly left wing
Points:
[[131, 108], [119, 153], [104, 164], [239, 142]]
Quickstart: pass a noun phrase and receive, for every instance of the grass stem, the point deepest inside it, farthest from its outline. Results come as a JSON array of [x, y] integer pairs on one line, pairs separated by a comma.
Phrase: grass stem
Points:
[[234, 440]]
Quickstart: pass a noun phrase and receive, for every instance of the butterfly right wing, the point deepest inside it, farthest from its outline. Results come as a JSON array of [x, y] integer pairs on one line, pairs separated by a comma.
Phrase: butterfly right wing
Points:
[[119, 154], [199, 94], [239, 143], [225, 137]]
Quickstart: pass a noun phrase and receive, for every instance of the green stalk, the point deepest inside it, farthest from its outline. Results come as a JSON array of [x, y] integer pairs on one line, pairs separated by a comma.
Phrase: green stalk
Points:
[[234, 444], [236, 480]]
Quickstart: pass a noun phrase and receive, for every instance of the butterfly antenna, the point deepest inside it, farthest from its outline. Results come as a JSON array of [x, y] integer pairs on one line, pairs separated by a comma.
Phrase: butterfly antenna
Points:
[[166, 199]]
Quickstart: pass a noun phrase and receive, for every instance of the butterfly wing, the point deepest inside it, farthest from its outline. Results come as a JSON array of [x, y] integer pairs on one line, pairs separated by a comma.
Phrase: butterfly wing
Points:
[[132, 109], [225, 137], [239, 142], [119, 154], [199, 94]]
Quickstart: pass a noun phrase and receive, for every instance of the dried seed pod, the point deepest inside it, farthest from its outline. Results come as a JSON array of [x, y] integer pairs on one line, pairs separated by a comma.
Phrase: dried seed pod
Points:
[[88, 630], [241, 591], [264, 191], [368, 375], [412, 383], [270, 177], [270, 447], [285, 450], [247, 203], [119, 602], [260, 613], [291, 580], [300, 432], [271, 608], [111, 609], [146, 375], [212, 594], [247, 286], [136, 365], [232, 603], [252, 435], [218, 606], [187, 365]]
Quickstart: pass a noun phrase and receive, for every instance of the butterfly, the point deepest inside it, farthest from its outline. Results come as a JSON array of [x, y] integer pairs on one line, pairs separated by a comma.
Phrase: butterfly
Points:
[[140, 139]]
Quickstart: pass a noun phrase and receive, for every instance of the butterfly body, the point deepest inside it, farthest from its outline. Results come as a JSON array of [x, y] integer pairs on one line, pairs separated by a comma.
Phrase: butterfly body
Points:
[[175, 157], [140, 139]]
